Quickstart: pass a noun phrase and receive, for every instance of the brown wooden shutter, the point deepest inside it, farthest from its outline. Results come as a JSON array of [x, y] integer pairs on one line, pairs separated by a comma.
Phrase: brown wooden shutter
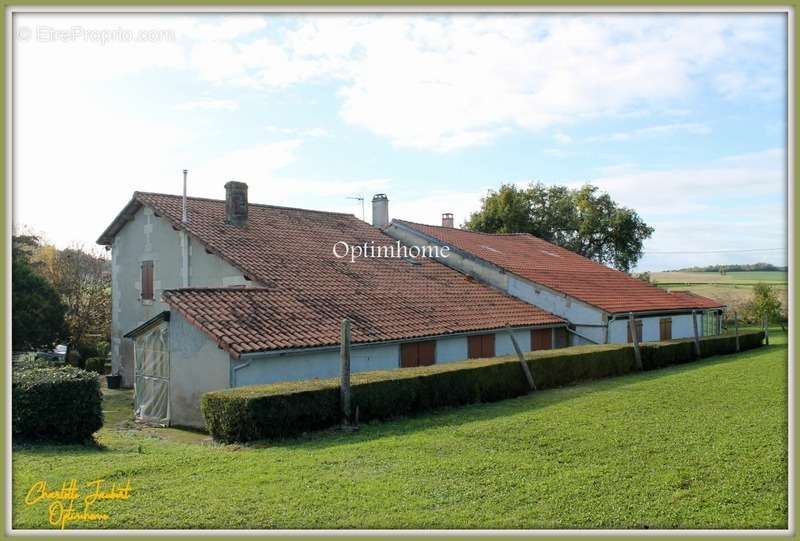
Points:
[[147, 280], [665, 328], [487, 345], [541, 339], [638, 323], [417, 354], [427, 353], [409, 355], [562, 340], [474, 347]]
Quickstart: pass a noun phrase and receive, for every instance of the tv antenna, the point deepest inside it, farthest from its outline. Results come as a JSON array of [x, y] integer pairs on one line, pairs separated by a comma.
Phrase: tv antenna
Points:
[[359, 198]]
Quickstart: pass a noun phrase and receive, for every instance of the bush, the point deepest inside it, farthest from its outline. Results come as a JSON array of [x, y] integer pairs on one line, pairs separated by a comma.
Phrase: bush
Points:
[[265, 411], [56, 404], [281, 409], [30, 360], [96, 364]]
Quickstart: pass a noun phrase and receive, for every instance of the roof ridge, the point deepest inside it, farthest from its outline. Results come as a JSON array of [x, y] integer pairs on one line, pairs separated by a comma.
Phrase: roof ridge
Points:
[[250, 204], [467, 230]]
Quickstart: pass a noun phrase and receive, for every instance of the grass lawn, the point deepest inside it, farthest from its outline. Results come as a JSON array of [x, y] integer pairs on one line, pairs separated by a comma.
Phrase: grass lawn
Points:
[[702, 445]]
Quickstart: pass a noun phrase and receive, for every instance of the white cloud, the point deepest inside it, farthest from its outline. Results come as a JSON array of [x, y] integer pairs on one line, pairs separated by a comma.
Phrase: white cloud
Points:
[[691, 128], [562, 138], [207, 105], [444, 83], [557, 152]]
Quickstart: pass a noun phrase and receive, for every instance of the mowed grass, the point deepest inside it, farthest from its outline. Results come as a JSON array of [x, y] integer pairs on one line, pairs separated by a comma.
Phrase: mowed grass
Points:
[[702, 445]]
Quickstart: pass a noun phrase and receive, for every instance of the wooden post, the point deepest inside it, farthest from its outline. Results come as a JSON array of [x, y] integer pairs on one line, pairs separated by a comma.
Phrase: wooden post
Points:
[[344, 371], [696, 337], [736, 328], [521, 358], [635, 339], [766, 329]]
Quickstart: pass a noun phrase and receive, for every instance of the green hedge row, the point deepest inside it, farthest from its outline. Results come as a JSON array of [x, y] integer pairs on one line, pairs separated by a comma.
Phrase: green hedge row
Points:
[[56, 404], [660, 354], [281, 409]]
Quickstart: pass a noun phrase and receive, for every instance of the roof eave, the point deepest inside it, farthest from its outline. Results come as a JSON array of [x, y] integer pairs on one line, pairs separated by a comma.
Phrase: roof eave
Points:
[[124, 216]]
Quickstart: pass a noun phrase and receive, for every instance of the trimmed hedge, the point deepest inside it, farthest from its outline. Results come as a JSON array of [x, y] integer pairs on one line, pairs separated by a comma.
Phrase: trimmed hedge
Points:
[[96, 364], [56, 404], [281, 409]]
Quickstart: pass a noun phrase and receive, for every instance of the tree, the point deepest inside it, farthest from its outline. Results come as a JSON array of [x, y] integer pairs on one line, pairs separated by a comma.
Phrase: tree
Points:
[[37, 313], [584, 220], [83, 280], [764, 303]]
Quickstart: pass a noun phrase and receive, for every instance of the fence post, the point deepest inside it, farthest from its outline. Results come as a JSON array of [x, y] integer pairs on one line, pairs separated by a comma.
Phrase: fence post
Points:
[[766, 329], [736, 326], [344, 371], [521, 358], [635, 339], [696, 337]]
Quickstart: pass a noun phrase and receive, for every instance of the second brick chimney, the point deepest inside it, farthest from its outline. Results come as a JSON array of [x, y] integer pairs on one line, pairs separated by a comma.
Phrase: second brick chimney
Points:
[[447, 219]]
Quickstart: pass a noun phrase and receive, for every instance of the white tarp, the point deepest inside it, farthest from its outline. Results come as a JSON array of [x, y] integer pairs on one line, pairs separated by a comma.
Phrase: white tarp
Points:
[[151, 386]]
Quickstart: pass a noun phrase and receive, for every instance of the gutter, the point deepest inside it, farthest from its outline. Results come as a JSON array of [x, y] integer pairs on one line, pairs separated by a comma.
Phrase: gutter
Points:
[[360, 345]]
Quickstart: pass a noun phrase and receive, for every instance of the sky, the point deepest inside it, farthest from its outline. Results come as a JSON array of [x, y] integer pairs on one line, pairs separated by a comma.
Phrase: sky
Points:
[[679, 117]]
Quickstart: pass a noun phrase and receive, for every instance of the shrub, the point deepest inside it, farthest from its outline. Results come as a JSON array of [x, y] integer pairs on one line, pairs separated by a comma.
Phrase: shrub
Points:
[[30, 360], [281, 409], [57, 404], [96, 364]]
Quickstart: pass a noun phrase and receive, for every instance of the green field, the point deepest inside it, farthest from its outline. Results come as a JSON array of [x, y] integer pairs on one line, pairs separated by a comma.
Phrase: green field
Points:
[[701, 445], [777, 278], [733, 289]]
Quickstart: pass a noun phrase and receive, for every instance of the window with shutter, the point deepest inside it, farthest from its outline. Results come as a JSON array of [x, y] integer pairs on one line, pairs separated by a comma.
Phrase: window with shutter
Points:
[[541, 339], [638, 324], [417, 354], [147, 280], [665, 328], [480, 346]]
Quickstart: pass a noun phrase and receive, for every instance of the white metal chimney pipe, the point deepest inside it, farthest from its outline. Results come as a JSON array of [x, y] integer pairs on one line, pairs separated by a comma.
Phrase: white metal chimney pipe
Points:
[[184, 213]]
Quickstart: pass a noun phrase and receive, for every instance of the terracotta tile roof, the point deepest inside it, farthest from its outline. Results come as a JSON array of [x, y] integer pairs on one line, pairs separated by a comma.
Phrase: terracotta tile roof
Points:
[[263, 319], [564, 271], [305, 291]]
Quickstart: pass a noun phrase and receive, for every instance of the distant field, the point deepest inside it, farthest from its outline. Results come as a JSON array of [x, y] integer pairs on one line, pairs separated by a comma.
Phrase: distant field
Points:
[[731, 278], [733, 289]]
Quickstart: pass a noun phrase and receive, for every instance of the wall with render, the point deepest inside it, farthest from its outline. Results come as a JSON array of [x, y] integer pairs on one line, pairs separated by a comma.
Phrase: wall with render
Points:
[[147, 237]]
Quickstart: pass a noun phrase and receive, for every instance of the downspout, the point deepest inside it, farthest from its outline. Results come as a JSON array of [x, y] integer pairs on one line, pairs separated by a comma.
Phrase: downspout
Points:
[[235, 369]]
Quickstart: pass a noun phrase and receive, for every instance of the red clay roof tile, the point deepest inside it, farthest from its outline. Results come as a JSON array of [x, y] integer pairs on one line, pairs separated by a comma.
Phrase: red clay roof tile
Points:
[[304, 291], [562, 270]]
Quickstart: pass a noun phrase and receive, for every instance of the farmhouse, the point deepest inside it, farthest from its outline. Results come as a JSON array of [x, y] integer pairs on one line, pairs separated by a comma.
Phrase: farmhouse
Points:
[[595, 300], [210, 294]]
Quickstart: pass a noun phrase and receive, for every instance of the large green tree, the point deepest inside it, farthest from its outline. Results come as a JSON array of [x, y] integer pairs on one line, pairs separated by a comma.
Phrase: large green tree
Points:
[[37, 313], [584, 220]]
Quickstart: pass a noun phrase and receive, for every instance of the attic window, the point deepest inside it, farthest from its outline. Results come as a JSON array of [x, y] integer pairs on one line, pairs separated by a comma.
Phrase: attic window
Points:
[[551, 254], [491, 249]]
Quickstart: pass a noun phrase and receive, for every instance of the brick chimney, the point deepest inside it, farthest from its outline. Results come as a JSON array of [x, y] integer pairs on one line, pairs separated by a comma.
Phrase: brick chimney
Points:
[[236, 203], [447, 219], [380, 210]]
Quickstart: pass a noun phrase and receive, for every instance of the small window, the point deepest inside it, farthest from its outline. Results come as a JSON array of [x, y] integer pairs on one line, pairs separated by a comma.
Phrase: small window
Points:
[[147, 280], [665, 328], [417, 354], [541, 339], [638, 324], [480, 346]]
